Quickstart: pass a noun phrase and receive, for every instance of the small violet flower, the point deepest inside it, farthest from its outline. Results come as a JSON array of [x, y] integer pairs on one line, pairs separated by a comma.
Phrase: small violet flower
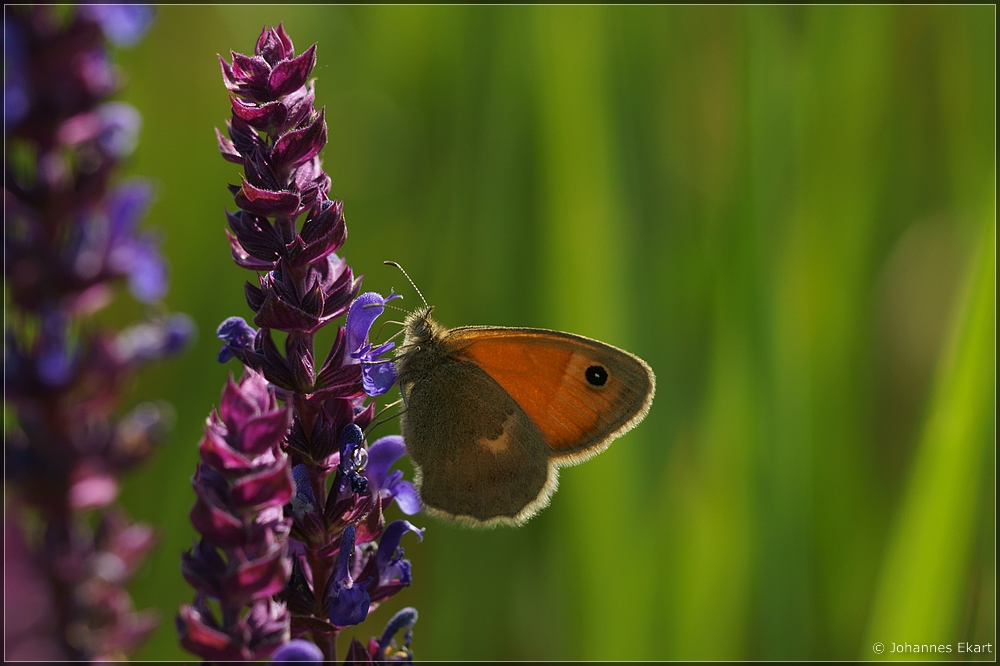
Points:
[[347, 600], [377, 376], [381, 455]]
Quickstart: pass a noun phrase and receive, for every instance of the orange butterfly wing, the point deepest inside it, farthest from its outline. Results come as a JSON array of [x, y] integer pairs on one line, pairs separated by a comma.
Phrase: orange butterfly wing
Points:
[[546, 373]]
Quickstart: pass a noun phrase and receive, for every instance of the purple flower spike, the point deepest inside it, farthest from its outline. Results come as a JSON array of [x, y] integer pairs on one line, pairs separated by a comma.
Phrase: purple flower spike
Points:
[[349, 601], [297, 650], [288, 231]]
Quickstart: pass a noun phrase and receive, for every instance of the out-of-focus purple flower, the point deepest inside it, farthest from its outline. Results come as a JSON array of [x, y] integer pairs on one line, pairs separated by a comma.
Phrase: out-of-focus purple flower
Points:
[[154, 340], [297, 650], [101, 243], [113, 127], [124, 25], [381, 455], [15, 98], [130, 253], [57, 358], [70, 238]]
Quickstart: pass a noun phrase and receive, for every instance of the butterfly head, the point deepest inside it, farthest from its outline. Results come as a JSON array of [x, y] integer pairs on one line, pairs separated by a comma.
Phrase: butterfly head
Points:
[[420, 327]]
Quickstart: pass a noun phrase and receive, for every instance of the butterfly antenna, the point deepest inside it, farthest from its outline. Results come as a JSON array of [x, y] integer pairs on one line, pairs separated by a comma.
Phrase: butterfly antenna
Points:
[[387, 306], [412, 284], [379, 421], [394, 335]]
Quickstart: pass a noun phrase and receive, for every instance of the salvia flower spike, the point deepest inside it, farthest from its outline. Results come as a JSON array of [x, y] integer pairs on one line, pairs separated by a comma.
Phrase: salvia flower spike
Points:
[[292, 523]]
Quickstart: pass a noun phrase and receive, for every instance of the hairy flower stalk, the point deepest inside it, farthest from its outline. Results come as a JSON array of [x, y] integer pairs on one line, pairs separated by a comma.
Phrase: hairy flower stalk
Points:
[[71, 235], [341, 559]]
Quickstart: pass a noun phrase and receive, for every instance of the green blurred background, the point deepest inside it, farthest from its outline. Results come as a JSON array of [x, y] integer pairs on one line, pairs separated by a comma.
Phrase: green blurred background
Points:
[[788, 212]]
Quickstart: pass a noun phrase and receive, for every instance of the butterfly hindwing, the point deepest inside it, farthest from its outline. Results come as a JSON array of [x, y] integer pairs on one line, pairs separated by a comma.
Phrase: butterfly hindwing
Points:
[[480, 460]]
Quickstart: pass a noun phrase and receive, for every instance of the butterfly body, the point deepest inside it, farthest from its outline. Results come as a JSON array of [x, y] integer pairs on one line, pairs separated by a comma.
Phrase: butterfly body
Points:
[[492, 412]]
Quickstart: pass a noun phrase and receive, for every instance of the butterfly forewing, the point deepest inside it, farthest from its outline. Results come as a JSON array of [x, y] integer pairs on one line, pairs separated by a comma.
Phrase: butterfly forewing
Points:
[[578, 392]]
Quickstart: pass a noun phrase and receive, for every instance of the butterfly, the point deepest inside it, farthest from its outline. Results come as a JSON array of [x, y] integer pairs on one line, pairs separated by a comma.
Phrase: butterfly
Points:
[[491, 413]]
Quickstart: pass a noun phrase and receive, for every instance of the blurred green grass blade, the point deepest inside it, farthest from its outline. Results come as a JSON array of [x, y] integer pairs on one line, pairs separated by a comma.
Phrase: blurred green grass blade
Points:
[[715, 538], [920, 594], [583, 241]]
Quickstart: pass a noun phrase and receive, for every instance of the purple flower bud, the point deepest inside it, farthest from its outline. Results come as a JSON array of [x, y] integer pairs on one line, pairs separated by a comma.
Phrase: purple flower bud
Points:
[[297, 650], [237, 334], [276, 135], [353, 458], [304, 501], [203, 568], [387, 650]]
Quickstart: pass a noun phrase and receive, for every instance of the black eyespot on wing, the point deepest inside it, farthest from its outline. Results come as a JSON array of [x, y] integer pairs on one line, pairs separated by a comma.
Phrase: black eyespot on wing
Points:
[[596, 375]]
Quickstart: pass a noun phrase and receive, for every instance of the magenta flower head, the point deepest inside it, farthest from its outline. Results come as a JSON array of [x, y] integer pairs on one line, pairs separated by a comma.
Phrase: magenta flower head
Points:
[[341, 561], [242, 483]]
